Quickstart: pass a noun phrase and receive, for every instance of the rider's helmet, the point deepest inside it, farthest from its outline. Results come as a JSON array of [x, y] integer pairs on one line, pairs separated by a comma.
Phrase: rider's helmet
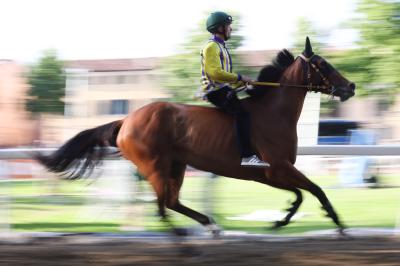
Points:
[[217, 19]]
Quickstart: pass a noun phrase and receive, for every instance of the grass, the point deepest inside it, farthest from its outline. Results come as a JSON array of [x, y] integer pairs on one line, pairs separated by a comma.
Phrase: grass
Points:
[[67, 206], [356, 207]]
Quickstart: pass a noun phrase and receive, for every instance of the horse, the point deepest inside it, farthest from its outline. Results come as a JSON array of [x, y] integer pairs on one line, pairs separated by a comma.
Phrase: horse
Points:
[[163, 138]]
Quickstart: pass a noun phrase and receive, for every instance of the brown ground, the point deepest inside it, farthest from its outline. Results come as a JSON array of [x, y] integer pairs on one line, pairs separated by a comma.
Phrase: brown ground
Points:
[[74, 250]]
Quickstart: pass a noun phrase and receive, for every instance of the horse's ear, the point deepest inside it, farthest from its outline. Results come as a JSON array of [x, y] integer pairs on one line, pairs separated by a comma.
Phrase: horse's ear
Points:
[[308, 49]]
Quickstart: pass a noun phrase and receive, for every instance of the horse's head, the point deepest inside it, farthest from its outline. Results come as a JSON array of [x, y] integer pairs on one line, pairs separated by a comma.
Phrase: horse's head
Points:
[[323, 77]]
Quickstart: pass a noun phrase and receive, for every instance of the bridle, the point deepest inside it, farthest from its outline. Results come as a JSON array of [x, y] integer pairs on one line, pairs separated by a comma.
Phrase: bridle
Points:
[[307, 61], [309, 86]]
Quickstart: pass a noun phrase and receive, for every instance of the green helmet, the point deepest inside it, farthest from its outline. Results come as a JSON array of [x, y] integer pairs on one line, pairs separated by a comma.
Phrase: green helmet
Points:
[[217, 19]]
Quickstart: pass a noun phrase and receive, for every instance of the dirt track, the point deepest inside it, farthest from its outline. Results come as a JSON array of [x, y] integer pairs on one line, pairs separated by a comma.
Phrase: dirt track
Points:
[[92, 251]]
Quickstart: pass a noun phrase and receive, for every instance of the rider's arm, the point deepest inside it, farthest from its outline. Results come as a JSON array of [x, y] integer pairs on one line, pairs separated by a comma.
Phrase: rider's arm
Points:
[[213, 68]]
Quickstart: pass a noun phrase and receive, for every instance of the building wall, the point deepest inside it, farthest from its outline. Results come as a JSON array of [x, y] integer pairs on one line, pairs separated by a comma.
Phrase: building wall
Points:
[[88, 97], [16, 127], [90, 93], [384, 122], [391, 123], [360, 109], [91, 96]]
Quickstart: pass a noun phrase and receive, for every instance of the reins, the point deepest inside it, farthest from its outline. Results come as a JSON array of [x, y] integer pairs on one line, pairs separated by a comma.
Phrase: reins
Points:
[[277, 84], [309, 86]]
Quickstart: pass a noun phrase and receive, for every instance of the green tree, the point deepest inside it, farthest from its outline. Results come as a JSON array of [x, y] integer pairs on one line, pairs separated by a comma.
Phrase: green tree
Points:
[[304, 27], [181, 73], [375, 62], [47, 85]]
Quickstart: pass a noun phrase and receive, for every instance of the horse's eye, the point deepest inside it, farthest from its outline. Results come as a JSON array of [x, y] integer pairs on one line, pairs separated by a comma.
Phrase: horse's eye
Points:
[[323, 64]]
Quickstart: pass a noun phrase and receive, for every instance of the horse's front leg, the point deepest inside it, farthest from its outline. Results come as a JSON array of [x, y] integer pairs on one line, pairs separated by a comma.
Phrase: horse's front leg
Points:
[[275, 182], [288, 173], [292, 210]]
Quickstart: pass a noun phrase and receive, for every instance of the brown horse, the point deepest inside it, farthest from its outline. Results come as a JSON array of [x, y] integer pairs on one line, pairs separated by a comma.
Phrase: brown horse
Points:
[[162, 138]]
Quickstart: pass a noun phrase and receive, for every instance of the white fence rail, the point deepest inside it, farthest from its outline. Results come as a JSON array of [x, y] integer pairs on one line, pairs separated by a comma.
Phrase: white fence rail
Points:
[[356, 150], [353, 150]]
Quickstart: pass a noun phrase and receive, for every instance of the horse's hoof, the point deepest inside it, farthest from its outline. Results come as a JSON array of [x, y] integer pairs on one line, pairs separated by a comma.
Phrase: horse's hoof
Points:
[[216, 234], [343, 235], [214, 229], [278, 224]]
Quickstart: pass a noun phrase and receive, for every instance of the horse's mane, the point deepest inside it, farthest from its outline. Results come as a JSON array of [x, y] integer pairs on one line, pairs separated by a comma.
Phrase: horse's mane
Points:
[[272, 72]]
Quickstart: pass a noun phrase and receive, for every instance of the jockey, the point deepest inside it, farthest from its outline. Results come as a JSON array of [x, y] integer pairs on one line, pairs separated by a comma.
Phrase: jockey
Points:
[[218, 81]]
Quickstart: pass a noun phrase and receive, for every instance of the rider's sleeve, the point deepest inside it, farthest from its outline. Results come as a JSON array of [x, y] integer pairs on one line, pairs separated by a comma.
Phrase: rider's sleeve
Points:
[[213, 67]]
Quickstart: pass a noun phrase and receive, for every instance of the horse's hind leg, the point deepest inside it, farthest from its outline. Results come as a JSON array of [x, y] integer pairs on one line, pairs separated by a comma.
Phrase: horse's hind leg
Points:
[[172, 202], [296, 178], [161, 182], [295, 204], [158, 182], [167, 185]]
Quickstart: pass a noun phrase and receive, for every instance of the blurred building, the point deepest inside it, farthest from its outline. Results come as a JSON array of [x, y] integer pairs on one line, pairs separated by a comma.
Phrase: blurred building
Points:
[[374, 114], [100, 91], [17, 127]]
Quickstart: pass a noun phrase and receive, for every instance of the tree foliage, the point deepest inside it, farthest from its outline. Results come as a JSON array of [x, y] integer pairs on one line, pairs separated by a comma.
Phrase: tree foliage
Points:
[[304, 27], [47, 85], [375, 62]]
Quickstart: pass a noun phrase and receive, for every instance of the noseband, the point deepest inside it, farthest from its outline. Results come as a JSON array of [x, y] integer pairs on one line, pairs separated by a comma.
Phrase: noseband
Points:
[[308, 64]]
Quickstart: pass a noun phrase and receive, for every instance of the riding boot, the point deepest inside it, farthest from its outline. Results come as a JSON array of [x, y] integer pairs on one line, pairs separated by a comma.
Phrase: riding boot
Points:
[[242, 125]]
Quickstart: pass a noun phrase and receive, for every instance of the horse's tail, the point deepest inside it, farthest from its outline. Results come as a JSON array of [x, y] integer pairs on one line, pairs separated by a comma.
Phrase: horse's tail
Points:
[[83, 152]]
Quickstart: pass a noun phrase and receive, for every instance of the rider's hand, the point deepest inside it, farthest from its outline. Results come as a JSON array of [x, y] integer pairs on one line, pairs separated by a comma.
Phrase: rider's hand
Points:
[[247, 80]]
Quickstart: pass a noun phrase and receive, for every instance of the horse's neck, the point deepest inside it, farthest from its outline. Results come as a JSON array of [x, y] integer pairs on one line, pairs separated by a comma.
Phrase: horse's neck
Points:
[[291, 102], [288, 101]]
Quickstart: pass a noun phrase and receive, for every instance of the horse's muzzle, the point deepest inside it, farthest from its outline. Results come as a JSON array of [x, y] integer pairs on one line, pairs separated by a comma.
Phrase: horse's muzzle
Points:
[[346, 92]]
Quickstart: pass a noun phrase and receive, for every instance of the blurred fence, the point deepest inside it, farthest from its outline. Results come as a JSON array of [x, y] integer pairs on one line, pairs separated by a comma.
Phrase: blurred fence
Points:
[[358, 150], [119, 197]]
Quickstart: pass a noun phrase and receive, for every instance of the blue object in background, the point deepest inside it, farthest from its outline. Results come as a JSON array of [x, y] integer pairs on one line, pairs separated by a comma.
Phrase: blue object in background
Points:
[[335, 131], [354, 170], [333, 140]]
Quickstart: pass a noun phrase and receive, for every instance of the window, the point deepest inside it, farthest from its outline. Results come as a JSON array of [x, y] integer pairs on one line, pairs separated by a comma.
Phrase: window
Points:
[[120, 79], [119, 107], [97, 80], [132, 79]]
